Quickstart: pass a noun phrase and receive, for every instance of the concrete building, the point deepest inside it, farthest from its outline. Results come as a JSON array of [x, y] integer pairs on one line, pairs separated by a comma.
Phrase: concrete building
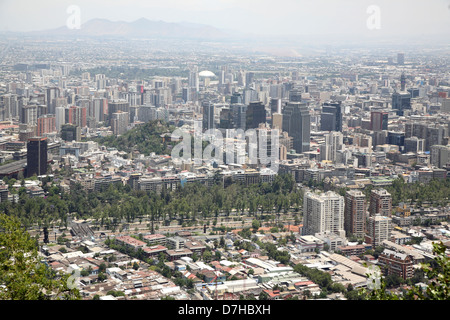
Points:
[[379, 228], [355, 213], [380, 202], [323, 212]]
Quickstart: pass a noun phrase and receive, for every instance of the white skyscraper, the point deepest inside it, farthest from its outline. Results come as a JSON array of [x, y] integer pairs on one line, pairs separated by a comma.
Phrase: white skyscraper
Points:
[[323, 212], [60, 117], [333, 144]]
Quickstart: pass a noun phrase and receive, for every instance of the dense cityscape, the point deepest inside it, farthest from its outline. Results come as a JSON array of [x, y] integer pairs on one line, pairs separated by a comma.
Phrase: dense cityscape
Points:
[[343, 194]]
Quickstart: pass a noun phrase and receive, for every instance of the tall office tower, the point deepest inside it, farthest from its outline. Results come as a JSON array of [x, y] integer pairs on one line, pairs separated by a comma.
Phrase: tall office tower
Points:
[[400, 58], [401, 100], [60, 117], [277, 121], [115, 106], [236, 98], [98, 108], [256, 114], [86, 76], [295, 95], [208, 115], [334, 142], [275, 91], [46, 124], [50, 95], [249, 79], [76, 115], [226, 119], [9, 106], [29, 114], [379, 120], [380, 202], [297, 123], [147, 113], [250, 95], [440, 156], [331, 117], [100, 80], [275, 105], [158, 84], [119, 122], [186, 94], [436, 135], [193, 78], [70, 132], [403, 82], [355, 213], [323, 212], [36, 156], [414, 144], [239, 114], [379, 228], [396, 138], [58, 102]]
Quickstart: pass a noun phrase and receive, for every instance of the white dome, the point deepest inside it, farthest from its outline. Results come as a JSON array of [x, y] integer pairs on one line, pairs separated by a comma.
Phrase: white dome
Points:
[[206, 74]]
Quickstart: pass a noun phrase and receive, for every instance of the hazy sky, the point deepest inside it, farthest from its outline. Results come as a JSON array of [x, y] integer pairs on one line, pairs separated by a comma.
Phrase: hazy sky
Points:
[[396, 17]]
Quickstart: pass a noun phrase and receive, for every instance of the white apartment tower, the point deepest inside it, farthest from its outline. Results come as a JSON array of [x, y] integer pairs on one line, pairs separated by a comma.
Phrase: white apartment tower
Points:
[[323, 212]]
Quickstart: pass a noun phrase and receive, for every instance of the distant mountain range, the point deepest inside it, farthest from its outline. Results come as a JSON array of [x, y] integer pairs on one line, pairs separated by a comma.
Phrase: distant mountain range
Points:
[[142, 28]]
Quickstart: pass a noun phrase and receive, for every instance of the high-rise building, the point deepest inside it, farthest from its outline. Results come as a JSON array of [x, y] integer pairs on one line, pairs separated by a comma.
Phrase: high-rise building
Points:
[[119, 122], [60, 117], [100, 80], [379, 120], [37, 156], [396, 138], [379, 228], [186, 94], [256, 114], [46, 124], [400, 58], [334, 142], [275, 105], [445, 107], [401, 101], [331, 117], [29, 114], [239, 114], [297, 123], [323, 212], [295, 95], [50, 95], [414, 144], [380, 202], [277, 121], [440, 156], [236, 98], [355, 213], [249, 78], [70, 132], [118, 105], [147, 113], [193, 78], [76, 115], [208, 115]]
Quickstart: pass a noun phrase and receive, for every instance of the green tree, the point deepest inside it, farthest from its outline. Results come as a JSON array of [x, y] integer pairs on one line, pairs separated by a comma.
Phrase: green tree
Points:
[[438, 286], [22, 275]]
